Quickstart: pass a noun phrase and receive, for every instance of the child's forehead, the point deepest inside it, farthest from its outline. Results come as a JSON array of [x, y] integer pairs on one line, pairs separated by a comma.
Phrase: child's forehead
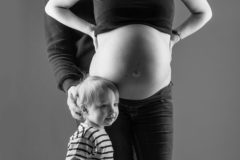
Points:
[[105, 96]]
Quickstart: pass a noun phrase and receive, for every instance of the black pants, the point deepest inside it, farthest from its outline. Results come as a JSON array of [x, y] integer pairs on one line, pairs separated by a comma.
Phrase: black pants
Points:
[[147, 125]]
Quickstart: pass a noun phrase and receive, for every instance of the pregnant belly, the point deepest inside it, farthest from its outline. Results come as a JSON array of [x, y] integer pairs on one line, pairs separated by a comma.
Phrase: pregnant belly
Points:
[[136, 58]]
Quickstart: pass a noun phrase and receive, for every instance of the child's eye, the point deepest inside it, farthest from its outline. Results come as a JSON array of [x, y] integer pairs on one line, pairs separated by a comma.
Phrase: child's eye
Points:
[[116, 104], [103, 106]]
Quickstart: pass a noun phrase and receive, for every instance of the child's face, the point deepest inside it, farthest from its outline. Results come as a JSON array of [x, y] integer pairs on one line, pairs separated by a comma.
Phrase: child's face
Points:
[[104, 112]]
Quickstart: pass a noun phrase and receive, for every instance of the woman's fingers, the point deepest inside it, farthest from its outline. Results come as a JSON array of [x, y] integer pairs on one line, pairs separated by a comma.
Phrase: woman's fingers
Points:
[[73, 91], [94, 38], [72, 103], [73, 107], [95, 43]]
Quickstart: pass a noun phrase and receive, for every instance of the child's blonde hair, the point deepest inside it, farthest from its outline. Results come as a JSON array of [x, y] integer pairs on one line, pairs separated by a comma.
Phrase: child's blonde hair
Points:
[[90, 89]]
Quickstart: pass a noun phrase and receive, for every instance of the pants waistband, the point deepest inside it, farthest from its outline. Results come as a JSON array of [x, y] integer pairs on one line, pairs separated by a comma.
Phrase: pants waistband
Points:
[[164, 93]]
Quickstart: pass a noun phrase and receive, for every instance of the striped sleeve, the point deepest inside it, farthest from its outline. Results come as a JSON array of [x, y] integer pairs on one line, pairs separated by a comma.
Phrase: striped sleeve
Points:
[[103, 145], [79, 148]]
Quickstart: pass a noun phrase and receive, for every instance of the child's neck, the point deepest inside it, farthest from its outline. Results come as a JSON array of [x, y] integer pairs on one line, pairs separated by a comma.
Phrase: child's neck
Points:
[[91, 124]]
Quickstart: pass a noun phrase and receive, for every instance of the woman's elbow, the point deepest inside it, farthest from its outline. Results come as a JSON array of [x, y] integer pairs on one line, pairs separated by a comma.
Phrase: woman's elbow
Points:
[[51, 8], [48, 8], [204, 15], [208, 14]]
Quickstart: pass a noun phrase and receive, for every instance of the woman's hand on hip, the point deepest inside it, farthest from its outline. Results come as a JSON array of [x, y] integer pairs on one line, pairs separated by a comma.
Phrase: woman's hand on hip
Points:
[[94, 38], [72, 103], [174, 39]]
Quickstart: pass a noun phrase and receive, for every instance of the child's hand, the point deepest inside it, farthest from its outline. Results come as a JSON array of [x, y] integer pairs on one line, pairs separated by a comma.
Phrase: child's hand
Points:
[[72, 103]]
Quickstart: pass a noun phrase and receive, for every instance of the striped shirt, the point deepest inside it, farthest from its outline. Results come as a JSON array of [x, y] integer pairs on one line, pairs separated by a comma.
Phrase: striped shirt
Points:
[[89, 143]]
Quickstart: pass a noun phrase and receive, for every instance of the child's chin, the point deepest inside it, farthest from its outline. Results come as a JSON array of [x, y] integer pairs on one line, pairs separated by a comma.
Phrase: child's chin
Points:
[[109, 122]]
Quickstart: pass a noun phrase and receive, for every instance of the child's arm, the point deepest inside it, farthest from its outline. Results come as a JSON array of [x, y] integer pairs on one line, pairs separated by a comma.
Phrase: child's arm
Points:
[[59, 10], [79, 148]]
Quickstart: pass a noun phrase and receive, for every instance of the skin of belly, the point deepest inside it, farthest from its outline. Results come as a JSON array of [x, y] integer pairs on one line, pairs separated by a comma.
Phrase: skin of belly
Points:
[[136, 58]]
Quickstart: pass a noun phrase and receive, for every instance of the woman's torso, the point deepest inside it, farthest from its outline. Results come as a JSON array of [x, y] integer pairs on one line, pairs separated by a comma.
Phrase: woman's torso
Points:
[[132, 52], [135, 57]]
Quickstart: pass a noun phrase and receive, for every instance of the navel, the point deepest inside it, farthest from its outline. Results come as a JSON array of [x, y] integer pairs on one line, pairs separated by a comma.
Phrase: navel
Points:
[[136, 73]]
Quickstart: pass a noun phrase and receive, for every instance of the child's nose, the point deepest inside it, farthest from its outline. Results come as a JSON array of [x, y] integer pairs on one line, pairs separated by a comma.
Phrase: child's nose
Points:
[[111, 109]]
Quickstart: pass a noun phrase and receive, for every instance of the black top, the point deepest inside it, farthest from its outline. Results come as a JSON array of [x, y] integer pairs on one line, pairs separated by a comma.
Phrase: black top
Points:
[[111, 14]]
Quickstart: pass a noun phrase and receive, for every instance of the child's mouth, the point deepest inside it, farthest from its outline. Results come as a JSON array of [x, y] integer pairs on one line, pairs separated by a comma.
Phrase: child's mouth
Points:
[[110, 119]]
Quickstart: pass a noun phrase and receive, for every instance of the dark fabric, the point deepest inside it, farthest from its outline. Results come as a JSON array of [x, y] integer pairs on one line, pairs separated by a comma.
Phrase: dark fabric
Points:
[[69, 51], [145, 124], [111, 14]]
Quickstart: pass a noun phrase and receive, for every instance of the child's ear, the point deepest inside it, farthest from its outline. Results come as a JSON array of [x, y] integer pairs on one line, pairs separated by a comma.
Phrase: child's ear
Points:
[[84, 109]]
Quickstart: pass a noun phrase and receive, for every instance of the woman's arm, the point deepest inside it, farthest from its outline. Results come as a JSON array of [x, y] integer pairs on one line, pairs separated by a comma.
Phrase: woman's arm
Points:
[[69, 52], [59, 10], [201, 13], [61, 52]]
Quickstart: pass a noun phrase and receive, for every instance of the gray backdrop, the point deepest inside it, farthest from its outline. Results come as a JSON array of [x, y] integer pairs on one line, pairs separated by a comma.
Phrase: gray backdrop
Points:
[[34, 119]]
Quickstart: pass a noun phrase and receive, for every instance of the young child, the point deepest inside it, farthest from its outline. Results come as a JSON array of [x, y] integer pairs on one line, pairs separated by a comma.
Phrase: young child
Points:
[[98, 101]]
